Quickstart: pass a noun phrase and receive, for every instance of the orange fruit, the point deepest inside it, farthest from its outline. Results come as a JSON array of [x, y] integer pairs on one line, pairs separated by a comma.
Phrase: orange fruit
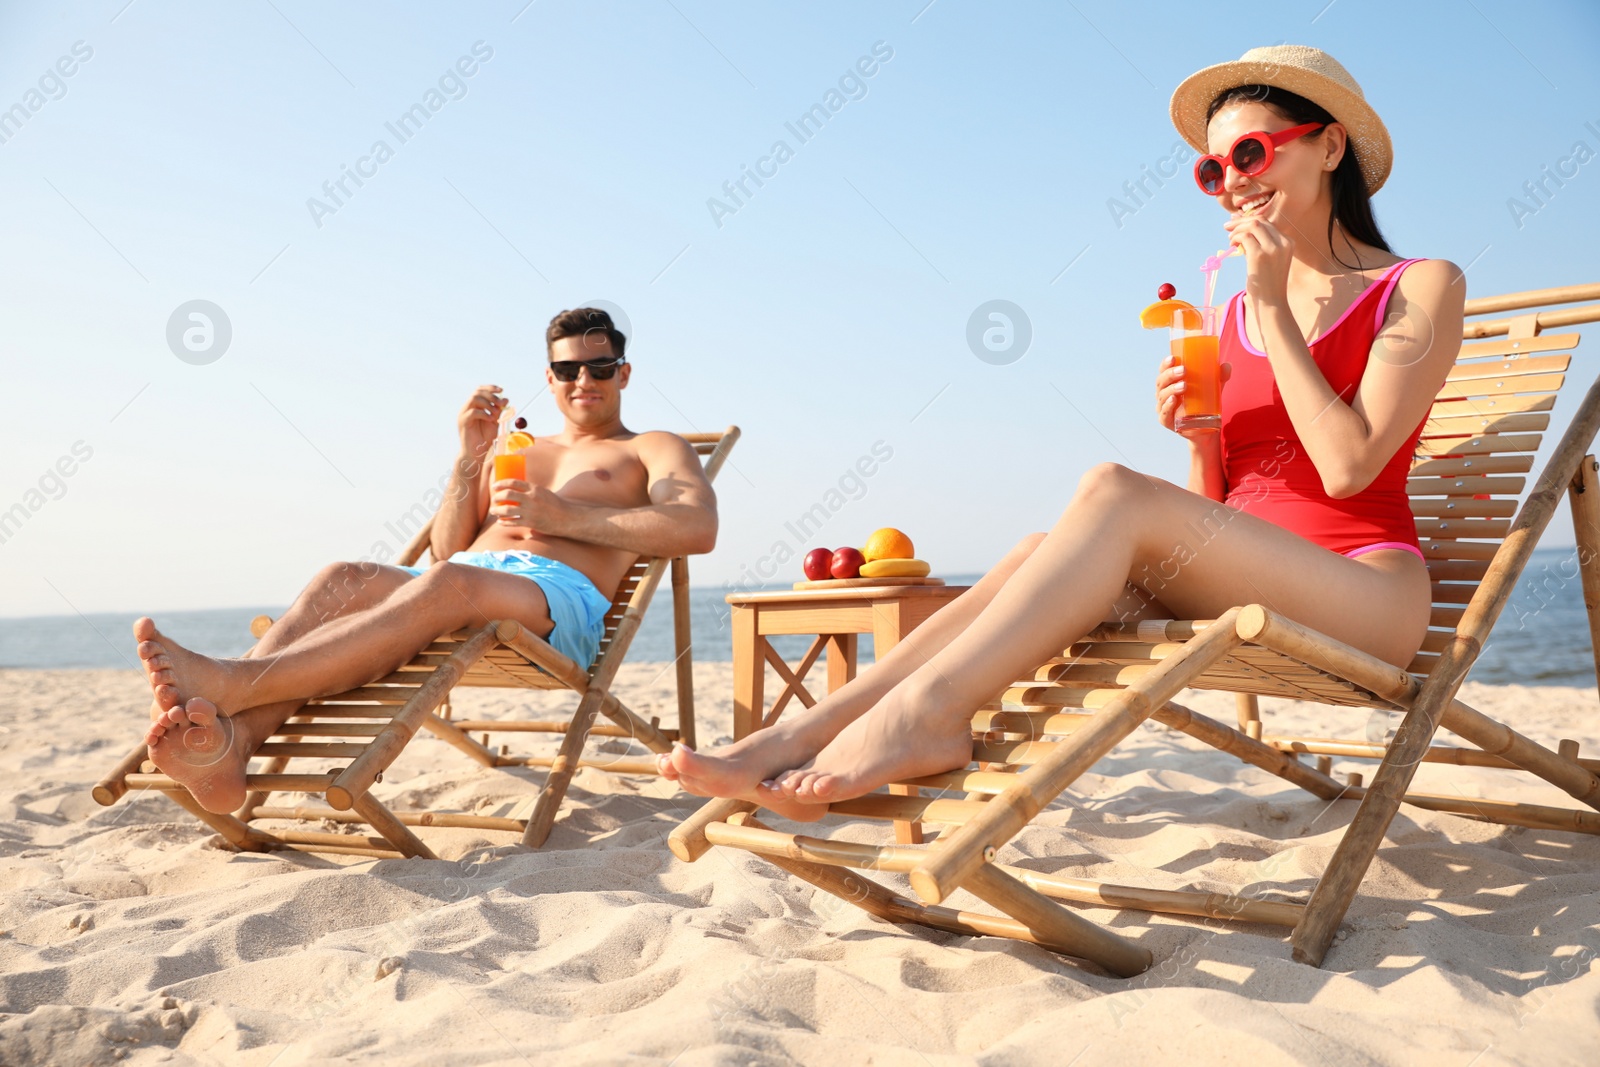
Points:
[[519, 440], [888, 543], [1162, 312]]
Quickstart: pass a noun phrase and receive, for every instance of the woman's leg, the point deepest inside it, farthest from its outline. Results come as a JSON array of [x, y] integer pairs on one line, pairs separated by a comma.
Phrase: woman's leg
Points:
[[735, 770], [1199, 557]]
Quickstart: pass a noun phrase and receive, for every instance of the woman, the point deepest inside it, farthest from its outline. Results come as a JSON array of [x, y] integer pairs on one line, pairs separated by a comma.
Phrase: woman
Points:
[[1335, 352]]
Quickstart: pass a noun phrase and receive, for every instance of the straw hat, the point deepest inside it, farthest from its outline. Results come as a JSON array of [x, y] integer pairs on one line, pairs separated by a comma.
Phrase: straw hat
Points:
[[1309, 72]]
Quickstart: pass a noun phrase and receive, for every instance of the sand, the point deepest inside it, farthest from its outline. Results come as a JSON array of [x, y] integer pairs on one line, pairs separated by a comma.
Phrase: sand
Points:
[[128, 935]]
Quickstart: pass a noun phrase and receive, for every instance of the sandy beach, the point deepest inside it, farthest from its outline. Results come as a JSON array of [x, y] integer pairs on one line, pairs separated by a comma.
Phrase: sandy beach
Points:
[[128, 935]]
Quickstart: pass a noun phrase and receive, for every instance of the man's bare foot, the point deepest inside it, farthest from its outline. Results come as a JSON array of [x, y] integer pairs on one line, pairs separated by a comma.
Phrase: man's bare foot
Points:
[[176, 675], [888, 744], [200, 749], [738, 769]]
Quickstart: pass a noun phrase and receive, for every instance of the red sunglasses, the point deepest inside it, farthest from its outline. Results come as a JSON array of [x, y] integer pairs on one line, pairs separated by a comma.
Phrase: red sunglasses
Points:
[[1251, 154]]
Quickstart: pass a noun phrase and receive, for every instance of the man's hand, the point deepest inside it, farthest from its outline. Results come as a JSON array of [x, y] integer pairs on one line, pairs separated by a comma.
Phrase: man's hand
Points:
[[518, 503], [479, 421]]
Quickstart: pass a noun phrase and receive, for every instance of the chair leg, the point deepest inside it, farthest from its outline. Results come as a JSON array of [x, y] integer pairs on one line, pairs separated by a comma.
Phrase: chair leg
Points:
[[906, 833], [455, 736], [548, 804], [1249, 712], [114, 785], [1496, 738], [393, 830], [1250, 750], [236, 833], [683, 641], [1057, 925], [1337, 887], [1052, 926], [1584, 494], [688, 839], [643, 732]]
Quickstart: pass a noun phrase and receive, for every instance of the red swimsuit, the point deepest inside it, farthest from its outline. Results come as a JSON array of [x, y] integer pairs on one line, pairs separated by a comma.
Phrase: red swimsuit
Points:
[[1265, 467]]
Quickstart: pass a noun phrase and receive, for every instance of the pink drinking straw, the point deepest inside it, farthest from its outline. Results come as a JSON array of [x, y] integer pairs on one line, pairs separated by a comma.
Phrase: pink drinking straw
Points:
[[1210, 267]]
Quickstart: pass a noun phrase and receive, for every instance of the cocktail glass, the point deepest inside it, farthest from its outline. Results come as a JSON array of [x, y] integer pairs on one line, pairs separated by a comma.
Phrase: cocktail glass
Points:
[[510, 465], [1194, 343]]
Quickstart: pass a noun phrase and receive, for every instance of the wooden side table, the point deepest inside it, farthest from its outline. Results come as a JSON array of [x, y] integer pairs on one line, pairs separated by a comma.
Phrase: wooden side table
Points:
[[836, 617]]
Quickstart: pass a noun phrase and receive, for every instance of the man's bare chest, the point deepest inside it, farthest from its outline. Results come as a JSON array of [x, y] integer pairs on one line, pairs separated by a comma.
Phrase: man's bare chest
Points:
[[596, 474]]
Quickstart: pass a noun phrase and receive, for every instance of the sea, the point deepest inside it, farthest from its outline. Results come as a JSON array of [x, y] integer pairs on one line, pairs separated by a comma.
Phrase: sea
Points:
[[1541, 638]]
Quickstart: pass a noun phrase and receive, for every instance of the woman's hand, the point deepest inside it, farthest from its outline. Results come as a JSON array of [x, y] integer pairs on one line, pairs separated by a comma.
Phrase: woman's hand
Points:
[[1267, 254], [1169, 393]]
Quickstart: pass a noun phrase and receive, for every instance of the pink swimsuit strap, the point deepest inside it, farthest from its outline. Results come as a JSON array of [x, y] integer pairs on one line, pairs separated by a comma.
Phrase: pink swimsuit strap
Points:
[[1385, 285], [1364, 549], [1388, 280]]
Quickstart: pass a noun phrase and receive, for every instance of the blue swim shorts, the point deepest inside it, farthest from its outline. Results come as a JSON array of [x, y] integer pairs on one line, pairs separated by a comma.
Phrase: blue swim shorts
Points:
[[576, 607]]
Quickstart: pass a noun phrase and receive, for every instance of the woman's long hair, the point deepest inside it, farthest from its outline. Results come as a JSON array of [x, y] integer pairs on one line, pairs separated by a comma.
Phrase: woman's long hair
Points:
[[1352, 207]]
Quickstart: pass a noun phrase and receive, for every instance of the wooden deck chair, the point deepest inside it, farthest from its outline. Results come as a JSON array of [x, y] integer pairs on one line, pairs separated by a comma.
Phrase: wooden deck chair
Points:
[[368, 727], [1042, 734]]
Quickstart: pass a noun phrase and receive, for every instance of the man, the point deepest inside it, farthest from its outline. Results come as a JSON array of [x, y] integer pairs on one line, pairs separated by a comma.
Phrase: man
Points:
[[548, 552]]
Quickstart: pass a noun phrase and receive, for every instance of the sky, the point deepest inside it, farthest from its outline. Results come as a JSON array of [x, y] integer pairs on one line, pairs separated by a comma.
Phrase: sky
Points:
[[581, 152]]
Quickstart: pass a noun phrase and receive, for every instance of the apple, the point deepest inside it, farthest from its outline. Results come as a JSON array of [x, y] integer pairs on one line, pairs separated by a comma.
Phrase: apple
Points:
[[847, 563], [818, 564]]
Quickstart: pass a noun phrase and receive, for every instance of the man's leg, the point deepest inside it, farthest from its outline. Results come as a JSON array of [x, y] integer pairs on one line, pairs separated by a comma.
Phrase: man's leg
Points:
[[266, 688], [205, 752], [338, 590]]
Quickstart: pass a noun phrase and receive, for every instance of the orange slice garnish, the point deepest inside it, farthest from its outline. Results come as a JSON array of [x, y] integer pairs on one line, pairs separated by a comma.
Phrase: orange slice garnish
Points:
[[519, 440], [1162, 313]]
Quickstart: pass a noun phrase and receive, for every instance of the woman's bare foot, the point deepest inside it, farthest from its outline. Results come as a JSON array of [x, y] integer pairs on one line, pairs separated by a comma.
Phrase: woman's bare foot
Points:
[[200, 749], [176, 675], [888, 744], [737, 770], [766, 795]]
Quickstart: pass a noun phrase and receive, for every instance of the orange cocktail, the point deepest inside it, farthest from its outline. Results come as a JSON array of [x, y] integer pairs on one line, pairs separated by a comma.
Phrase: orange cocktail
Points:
[[510, 461], [1194, 344], [510, 465]]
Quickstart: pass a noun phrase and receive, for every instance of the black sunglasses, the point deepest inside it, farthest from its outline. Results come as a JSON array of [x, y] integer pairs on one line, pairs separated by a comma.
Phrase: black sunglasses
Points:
[[601, 370]]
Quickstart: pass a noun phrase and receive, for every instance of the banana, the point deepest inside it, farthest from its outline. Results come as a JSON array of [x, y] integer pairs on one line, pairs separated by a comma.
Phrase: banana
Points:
[[895, 568]]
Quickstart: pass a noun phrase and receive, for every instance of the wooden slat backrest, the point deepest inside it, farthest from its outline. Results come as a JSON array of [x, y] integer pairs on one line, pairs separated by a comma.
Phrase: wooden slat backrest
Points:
[[1480, 439], [639, 584]]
